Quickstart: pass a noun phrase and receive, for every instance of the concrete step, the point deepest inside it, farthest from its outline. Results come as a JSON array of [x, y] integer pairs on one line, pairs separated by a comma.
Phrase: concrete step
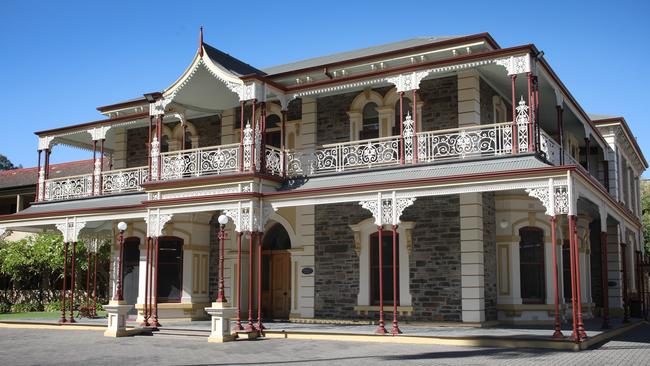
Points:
[[201, 333]]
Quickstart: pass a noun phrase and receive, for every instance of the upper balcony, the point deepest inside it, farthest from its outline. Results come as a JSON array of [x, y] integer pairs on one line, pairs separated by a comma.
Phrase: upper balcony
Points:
[[408, 149]]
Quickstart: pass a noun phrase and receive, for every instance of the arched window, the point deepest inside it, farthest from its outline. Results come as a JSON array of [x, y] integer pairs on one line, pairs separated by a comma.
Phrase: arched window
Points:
[[406, 108], [370, 125], [531, 265], [170, 271], [386, 267], [273, 130]]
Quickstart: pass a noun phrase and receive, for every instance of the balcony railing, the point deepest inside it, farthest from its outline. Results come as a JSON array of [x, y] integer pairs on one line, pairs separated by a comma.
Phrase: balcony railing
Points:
[[68, 187], [124, 180], [201, 161]]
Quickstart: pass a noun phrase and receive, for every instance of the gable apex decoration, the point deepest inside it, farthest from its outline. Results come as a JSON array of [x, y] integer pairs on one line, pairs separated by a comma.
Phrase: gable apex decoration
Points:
[[515, 64]]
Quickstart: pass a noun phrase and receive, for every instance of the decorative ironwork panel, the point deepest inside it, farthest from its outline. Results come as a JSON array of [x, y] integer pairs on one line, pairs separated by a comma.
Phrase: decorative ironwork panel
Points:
[[274, 160], [124, 180], [201, 161], [522, 121], [358, 154], [467, 142], [409, 133], [69, 187], [247, 143], [550, 148]]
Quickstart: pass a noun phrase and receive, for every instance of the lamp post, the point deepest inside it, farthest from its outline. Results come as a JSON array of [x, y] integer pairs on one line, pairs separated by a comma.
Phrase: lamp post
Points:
[[118, 292], [223, 220]]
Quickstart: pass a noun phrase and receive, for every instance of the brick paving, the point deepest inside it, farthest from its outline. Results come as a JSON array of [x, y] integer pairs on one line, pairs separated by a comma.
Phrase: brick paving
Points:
[[52, 347]]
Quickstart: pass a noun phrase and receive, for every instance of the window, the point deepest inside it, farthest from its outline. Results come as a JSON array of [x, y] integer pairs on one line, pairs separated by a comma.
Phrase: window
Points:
[[170, 274], [406, 109], [386, 267], [531, 265], [370, 125], [273, 130], [164, 144], [188, 140]]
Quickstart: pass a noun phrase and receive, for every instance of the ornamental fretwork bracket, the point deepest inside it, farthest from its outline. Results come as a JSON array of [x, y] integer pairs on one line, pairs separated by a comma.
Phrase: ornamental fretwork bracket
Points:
[[387, 210], [250, 216], [156, 221], [70, 229], [555, 197]]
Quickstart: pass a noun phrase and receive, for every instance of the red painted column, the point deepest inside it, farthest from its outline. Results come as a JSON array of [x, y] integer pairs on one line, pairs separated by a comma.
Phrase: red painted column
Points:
[[65, 275], [560, 129], [254, 158], [581, 326], [283, 145], [72, 270], [117, 296], [401, 128], [574, 314], [156, 251], [557, 327], [48, 152], [101, 166], [145, 309], [159, 133], [605, 275], [38, 174], [184, 134], [149, 138], [238, 326], [250, 326], [92, 173], [242, 105], [415, 126], [259, 326], [221, 296], [395, 329], [380, 328], [531, 123], [95, 285], [536, 111], [88, 283], [515, 140], [263, 139], [626, 304]]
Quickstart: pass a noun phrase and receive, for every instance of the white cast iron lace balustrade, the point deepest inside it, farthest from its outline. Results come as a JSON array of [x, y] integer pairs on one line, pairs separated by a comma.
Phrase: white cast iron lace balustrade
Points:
[[200, 161], [274, 160], [357, 155], [124, 180], [461, 143], [78, 186], [522, 121], [550, 148]]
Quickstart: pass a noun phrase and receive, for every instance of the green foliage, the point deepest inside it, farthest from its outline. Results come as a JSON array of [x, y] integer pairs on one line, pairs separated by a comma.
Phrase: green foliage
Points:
[[6, 164], [38, 255], [25, 308]]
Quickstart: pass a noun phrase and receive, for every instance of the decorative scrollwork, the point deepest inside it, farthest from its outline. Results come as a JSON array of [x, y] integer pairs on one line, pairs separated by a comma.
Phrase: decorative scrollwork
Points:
[[408, 133], [199, 162], [550, 149], [273, 160], [124, 180], [68, 188], [522, 121], [155, 156], [461, 143]]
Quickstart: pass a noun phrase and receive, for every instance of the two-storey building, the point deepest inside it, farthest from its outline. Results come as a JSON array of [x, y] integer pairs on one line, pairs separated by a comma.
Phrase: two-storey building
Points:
[[440, 178]]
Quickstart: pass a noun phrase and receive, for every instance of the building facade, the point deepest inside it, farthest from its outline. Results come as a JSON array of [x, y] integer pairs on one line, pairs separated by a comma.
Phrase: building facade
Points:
[[442, 179]]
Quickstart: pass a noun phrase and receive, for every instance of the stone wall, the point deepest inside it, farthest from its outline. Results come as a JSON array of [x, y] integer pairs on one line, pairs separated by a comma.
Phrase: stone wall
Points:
[[434, 260], [439, 110], [487, 105], [337, 264], [208, 128], [490, 255]]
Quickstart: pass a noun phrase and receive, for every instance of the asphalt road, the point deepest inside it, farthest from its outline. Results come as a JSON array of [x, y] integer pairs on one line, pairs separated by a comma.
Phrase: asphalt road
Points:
[[74, 347]]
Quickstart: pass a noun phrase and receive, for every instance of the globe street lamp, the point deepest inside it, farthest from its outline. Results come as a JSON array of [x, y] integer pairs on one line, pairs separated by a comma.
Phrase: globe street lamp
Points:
[[118, 292], [223, 220]]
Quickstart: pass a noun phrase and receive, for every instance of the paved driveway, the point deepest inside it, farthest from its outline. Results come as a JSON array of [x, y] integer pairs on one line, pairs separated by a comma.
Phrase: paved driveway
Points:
[[70, 347]]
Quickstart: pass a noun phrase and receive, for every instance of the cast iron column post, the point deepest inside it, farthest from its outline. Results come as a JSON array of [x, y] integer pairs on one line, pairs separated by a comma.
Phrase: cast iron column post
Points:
[[72, 270], [380, 328], [395, 329], [238, 326], [65, 275], [558, 328]]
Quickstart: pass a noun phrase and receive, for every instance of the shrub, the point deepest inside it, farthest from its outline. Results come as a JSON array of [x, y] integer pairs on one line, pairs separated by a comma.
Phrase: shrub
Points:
[[24, 308], [5, 307]]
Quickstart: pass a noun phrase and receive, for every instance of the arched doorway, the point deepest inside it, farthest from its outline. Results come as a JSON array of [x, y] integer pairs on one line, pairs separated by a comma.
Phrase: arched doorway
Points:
[[131, 271], [276, 273]]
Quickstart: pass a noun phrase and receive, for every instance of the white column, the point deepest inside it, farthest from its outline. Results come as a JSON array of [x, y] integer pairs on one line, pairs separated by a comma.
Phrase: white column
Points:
[[19, 203], [302, 298], [469, 98], [614, 267], [471, 257], [142, 276]]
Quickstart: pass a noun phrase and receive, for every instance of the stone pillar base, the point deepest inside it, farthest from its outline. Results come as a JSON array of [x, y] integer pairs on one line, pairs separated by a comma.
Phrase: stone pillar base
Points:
[[117, 312], [221, 314]]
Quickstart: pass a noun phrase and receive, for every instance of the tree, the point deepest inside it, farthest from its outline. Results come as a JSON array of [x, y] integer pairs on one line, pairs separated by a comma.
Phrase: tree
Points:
[[645, 209], [6, 164]]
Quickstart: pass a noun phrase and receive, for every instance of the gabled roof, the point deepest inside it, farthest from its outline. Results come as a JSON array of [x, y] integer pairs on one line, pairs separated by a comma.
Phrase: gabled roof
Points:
[[355, 54], [28, 176], [230, 63], [602, 119]]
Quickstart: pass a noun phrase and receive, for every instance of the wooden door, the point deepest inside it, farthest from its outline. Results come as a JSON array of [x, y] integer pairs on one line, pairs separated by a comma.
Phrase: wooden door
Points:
[[276, 295]]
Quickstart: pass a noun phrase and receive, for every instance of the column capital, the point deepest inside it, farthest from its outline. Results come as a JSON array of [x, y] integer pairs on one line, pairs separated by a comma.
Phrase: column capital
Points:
[[70, 229], [387, 211]]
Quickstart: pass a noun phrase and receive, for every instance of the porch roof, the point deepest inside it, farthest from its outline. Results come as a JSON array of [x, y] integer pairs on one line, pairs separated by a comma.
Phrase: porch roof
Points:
[[88, 204], [434, 170]]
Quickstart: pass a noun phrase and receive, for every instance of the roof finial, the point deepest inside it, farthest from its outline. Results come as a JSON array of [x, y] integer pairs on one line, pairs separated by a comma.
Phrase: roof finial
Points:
[[201, 41]]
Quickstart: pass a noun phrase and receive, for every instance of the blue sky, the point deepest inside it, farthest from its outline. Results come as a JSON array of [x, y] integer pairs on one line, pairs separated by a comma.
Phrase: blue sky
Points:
[[61, 60]]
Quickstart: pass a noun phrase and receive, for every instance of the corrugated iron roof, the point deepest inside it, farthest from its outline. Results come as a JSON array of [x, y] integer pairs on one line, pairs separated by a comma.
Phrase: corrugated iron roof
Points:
[[28, 176]]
